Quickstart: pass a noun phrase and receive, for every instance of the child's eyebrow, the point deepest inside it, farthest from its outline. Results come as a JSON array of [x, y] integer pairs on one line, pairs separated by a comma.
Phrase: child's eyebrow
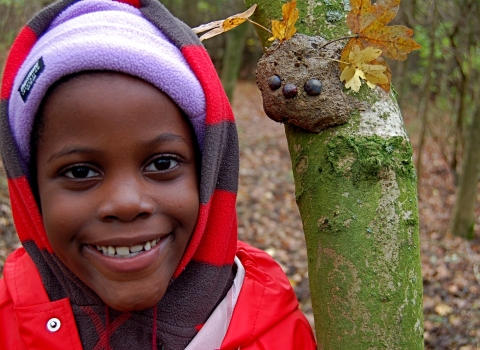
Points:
[[166, 137], [72, 150]]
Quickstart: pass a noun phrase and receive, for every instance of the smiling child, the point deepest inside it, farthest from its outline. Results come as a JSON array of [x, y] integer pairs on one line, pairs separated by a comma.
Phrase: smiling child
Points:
[[121, 152]]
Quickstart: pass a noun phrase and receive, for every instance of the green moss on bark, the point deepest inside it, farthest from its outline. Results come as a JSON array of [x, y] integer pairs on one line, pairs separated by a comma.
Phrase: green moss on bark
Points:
[[316, 18], [361, 225], [323, 18], [364, 94], [265, 12], [363, 158]]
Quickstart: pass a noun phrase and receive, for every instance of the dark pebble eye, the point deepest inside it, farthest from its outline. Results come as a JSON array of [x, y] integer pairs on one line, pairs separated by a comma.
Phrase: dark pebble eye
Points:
[[313, 87], [274, 82], [290, 90]]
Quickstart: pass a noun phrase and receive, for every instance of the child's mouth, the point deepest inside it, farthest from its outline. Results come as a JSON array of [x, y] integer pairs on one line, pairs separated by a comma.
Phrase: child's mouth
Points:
[[128, 251], [129, 258]]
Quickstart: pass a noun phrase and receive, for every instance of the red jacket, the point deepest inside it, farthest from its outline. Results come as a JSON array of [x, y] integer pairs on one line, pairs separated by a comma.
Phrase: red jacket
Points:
[[266, 315]]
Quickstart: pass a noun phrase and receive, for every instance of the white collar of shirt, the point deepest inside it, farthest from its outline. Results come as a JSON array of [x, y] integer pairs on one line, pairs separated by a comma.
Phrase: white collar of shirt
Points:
[[214, 330]]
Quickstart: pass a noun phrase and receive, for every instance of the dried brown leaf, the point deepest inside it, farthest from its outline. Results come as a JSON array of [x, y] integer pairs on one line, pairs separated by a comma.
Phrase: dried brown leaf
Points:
[[218, 27], [369, 22]]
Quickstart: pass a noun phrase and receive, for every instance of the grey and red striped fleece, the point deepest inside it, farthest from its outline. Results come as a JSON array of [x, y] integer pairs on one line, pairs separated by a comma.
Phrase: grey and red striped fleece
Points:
[[205, 271]]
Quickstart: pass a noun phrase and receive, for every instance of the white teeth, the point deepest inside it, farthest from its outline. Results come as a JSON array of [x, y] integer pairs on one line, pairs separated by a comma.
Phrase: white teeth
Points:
[[136, 248], [122, 250]]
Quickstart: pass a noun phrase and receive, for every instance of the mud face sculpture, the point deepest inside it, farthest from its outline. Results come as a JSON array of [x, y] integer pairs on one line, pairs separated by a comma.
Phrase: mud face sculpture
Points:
[[300, 83]]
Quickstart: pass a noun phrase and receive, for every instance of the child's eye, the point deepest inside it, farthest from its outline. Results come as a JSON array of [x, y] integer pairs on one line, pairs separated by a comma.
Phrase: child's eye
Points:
[[162, 164], [80, 172]]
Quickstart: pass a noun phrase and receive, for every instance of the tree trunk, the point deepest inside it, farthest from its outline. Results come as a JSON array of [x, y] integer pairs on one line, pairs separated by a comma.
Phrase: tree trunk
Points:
[[357, 194], [463, 219], [459, 124], [232, 58], [422, 112], [462, 65]]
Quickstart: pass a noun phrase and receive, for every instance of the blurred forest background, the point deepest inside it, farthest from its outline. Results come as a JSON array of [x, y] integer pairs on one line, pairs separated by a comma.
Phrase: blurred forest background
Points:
[[438, 91]]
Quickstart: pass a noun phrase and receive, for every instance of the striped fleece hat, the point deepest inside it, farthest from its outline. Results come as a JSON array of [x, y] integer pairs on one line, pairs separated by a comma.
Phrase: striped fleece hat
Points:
[[140, 38]]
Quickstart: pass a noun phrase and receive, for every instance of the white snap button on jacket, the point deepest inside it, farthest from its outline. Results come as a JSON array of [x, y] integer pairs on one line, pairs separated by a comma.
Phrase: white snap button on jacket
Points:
[[53, 324]]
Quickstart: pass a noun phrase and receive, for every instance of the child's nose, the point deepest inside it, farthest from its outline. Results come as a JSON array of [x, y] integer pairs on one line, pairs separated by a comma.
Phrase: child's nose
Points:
[[125, 200]]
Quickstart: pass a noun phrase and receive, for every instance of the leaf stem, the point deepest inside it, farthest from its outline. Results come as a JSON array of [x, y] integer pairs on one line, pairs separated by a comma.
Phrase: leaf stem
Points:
[[347, 63], [332, 41], [257, 24]]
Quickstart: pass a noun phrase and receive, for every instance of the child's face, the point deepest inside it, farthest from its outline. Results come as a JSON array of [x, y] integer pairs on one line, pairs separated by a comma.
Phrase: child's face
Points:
[[116, 170]]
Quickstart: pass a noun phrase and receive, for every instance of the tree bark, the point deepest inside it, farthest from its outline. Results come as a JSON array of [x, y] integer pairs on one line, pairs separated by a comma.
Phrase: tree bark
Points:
[[357, 194], [463, 219]]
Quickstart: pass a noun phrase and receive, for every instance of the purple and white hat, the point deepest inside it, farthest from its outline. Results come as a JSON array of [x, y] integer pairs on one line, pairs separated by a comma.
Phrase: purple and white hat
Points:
[[114, 37]]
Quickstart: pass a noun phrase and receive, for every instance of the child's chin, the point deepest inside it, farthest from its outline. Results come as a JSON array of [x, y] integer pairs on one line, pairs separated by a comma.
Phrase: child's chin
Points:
[[133, 295], [127, 305]]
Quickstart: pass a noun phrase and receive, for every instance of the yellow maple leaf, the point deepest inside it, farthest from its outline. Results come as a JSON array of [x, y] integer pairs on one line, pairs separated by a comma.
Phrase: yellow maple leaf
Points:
[[358, 56], [355, 45], [374, 74], [284, 29], [360, 65], [352, 78], [219, 27]]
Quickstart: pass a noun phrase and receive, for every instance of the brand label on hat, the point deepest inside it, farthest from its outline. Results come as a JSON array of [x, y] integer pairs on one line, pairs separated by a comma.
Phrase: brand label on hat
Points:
[[30, 79]]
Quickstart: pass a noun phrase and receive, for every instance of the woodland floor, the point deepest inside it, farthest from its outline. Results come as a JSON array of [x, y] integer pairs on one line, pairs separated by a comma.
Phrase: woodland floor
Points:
[[269, 219]]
